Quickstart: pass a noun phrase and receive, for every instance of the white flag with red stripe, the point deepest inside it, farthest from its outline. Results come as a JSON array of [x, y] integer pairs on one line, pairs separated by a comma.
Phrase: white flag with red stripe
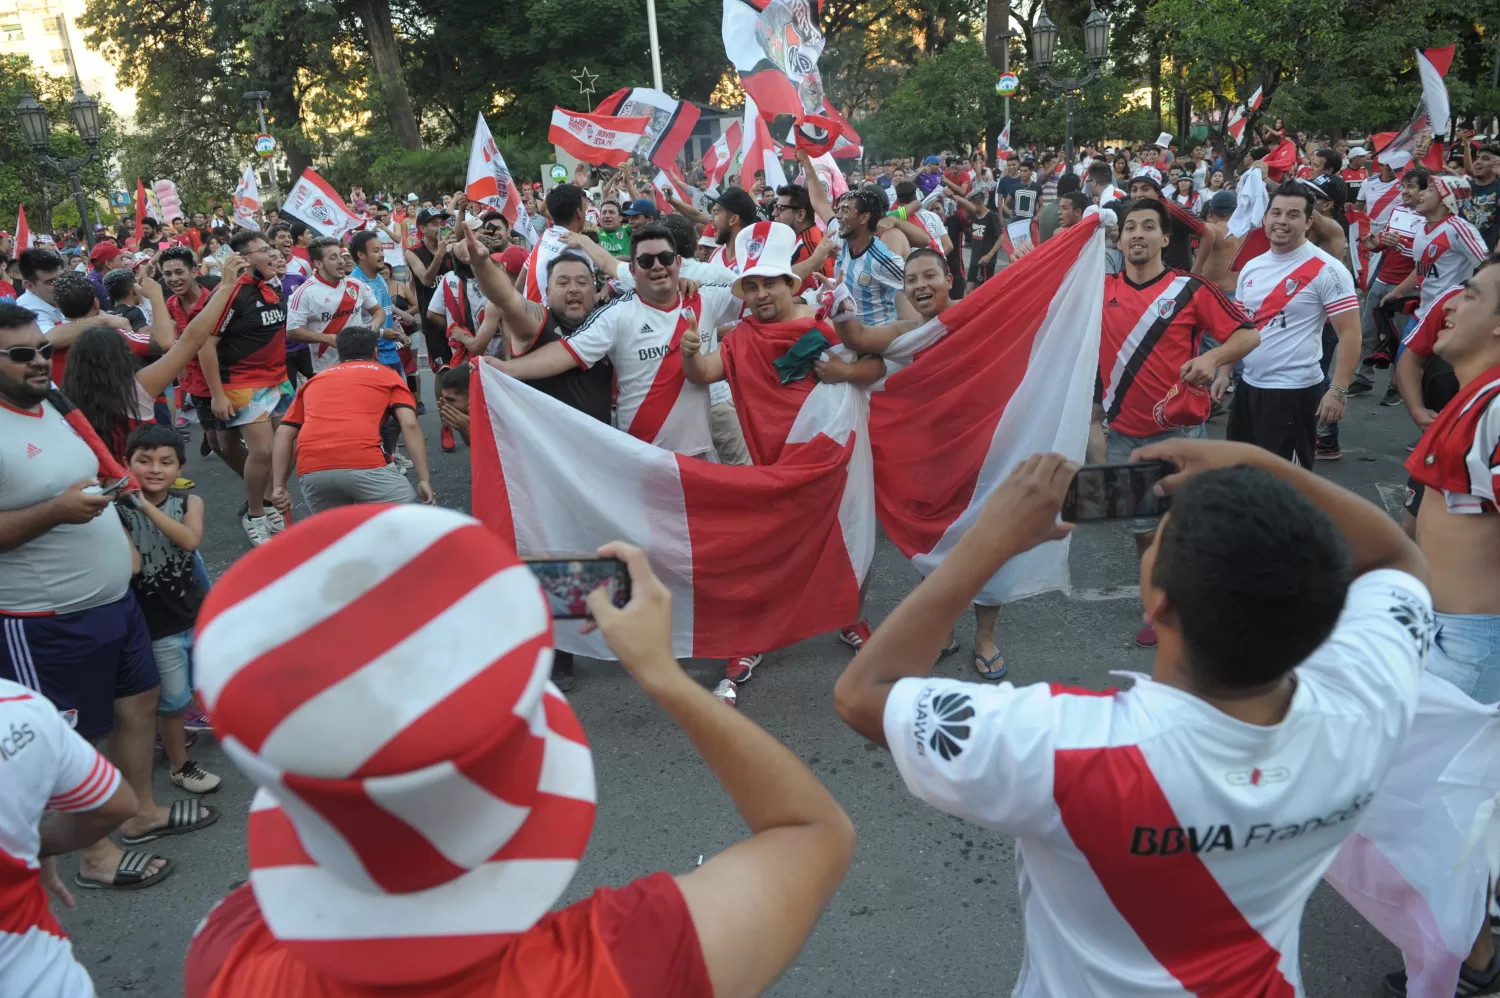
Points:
[[314, 201], [601, 139], [720, 155], [1359, 253], [1432, 113], [24, 240], [1237, 122], [489, 181], [247, 200], [1254, 102], [758, 150], [762, 556], [1418, 865]]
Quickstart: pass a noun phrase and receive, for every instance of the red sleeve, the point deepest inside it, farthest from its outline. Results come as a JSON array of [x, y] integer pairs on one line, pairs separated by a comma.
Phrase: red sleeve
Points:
[[651, 938], [1217, 314], [400, 394], [1193, 222], [296, 414], [225, 925]]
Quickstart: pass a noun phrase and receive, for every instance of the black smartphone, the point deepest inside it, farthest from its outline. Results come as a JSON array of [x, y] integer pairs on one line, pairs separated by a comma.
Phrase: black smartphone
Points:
[[567, 583], [1116, 491]]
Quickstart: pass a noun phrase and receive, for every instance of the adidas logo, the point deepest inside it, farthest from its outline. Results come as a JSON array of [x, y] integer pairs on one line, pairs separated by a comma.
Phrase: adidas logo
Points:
[[32, 450], [1113, 303]]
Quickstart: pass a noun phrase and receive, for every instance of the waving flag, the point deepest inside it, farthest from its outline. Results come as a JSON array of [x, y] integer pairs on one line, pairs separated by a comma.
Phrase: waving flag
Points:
[[766, 555], [1254, 102], [1237, 122], [817, 134], [721, 154], [1002, 145], [830, 176], [1418, 864], [1432, 115], [141, 211], [23, 231], [670, 181], [596, 138], [489, 181], [247, 200], [313, 201], [672, 121], [758, 151]]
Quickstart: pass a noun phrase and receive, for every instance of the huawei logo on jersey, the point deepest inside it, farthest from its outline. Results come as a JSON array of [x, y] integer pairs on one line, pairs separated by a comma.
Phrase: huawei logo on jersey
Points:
[[1257, 777]]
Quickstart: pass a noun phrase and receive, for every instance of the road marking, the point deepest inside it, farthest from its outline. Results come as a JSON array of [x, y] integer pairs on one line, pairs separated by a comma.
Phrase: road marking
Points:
[[1107, 593], [1393, 498]]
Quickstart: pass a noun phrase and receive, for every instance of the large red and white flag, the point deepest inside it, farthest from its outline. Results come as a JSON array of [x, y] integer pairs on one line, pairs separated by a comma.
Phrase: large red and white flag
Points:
[[24, 240], [247, 200], [1006, 372], [314, 201], [758, 150], [720, 155], [489, 181], [1359, 253], [765, 555], [600, 139], [1432, 113], [1418, 865], [672, 121]]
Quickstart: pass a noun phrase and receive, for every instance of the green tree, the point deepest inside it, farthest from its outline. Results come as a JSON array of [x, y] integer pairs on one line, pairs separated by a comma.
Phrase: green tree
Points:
[[942, 103]]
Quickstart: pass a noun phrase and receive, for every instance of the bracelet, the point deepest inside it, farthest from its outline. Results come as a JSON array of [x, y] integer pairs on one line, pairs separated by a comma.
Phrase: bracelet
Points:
[[1343, 393]]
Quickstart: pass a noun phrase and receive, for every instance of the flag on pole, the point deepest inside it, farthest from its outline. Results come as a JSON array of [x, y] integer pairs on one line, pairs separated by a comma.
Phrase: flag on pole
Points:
[[758, 150], [670, 181], [23, 231], [596, 138], [247, 200], [721, 154], [672, 121], [313, 201], [831, 177], [140, 209], [489, 181], [1237, 122], [1254, 102], [1432, 114], [1002, 145], [765, 555]]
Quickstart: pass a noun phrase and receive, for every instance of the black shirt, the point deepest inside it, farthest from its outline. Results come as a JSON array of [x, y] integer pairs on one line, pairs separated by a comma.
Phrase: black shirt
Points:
[[426, 291], [587, 391], [252, 336]]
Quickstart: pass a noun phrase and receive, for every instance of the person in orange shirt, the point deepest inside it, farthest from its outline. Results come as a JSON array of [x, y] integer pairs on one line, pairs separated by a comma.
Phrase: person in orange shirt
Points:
[[405, 844], [333, 426]]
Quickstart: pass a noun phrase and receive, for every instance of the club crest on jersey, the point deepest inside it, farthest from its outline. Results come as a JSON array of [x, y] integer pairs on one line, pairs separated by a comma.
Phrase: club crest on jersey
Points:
[[1165, 307], [1291, 286], [754, 251], [1257, 777]]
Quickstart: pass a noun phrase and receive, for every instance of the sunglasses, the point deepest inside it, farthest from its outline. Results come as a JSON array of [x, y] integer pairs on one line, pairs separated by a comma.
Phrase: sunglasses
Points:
[[648, 260], [25, 355]]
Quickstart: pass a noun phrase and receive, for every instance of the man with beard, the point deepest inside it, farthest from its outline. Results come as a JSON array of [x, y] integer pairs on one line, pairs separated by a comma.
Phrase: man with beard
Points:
[[1186, 227], [458, 307], [529, 327], [779, 325]]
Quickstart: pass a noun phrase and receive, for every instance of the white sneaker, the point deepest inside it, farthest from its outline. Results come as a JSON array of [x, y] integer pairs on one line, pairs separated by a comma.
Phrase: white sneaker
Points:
[[257, 528], [402, 462], [196, 779], [275, 519]]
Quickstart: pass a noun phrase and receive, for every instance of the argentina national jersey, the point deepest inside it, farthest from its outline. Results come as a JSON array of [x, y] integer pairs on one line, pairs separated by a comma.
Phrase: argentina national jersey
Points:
[[874, 277]]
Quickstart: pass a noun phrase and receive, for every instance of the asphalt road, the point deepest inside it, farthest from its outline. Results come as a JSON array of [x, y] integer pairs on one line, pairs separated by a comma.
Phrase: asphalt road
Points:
[[930, 904]]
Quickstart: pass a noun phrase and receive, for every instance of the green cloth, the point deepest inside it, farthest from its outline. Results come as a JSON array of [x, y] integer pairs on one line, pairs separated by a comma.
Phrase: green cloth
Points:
[[797, 363], [616, 243]]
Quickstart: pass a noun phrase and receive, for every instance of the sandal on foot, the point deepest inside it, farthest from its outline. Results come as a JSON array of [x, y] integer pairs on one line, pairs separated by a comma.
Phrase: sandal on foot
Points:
[[948, 651], [986, 666], [185, 816], [130, 874]]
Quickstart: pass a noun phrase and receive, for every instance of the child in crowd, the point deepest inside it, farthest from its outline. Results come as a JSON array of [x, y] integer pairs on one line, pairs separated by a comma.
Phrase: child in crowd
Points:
[[166, 527]]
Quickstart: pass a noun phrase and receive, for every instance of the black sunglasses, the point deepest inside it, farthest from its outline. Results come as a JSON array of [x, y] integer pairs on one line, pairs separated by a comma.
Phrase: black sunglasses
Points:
[[25, 355], [648, 260]]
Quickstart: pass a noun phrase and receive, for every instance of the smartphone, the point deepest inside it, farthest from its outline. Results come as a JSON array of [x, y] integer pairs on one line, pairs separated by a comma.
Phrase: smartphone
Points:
[[1116, 491], [567, 583], [108, 491]]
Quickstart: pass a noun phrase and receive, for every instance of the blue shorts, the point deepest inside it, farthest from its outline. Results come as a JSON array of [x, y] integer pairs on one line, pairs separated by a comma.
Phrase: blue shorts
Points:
[[82, 661], [1466, 652], [174, 663]]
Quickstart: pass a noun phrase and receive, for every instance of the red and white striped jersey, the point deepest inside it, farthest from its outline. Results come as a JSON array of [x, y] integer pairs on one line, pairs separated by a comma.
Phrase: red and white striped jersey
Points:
[[44, 766], [1446, 255], [1460, 452], [1291, 295], [1165, 848], [1380, 198], [317, 305]]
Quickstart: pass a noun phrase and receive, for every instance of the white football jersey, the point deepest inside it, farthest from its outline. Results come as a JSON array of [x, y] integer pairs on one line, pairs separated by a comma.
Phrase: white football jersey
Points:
[[320, 307], [1291, 342], [1446, 255]]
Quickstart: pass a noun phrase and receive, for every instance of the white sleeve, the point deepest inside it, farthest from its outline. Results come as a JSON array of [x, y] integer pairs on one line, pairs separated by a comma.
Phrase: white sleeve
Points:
[[1380, 643], [296, 310], [82, 778], [439, 303], [719, 306], [981, 753], [596, 337], [1483, 458], [44, 321], [1336, 289]]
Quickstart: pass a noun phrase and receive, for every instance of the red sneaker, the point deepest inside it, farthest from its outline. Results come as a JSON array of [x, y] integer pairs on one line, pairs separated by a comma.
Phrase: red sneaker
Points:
[[446, 439], [856, 634], [739, 669], [1146, 637]]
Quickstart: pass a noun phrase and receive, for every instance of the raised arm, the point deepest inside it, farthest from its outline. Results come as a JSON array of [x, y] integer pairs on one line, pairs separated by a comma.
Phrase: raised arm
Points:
[[608, 265], [497, 286], [815, 193], [542, 362], [692, 214], [195, 340], [427, 273], [163, 332]]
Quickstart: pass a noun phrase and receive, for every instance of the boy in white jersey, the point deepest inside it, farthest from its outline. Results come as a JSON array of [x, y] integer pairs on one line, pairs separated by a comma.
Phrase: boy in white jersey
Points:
[[327, 302], [640, 333], [1446, 249], [1170, 834]]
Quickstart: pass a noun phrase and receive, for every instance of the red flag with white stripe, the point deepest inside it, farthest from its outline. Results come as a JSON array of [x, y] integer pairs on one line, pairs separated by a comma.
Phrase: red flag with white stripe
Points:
[[1359, 253], [759, 151], [672, 120], [314, 201], [721, 154], [24, 241], [489, 181], [600, 139]]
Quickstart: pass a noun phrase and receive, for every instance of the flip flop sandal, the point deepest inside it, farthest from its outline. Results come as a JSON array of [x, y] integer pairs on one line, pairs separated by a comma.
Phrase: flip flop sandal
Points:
[[948, 651], [989, 671], [185, 816], [130, 874]]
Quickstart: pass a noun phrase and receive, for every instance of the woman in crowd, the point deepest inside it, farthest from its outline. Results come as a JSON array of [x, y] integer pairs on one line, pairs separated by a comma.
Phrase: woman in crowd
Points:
[[210, 263]]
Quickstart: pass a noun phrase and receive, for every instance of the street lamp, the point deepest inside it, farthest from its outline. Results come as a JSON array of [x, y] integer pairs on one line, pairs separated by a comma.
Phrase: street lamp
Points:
[[84, 111], [1044, 37]]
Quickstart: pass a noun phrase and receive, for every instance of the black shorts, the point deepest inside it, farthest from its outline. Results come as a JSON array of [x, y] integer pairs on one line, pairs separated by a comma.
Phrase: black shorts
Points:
[[299, 363], [204, 407], [1282, 420], [439, 353], [1413, 501]]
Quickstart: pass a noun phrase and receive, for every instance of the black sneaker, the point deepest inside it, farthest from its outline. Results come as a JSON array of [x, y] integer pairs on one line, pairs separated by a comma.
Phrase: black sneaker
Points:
[[562, 674], [1360, 388], [203, 448], [421, 408], [1470, 982], [1392, 397]]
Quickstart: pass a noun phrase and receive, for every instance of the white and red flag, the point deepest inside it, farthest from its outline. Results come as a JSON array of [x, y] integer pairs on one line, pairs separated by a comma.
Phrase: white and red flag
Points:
[[1002, 146], [672, 120], [1254, 102], [1418, 865], [1432, 113], [247, 200], [670, 181], [600, 139], [489, 181], [1237, 122], [758, 150], [721, 154], [1359, 253], [24, 241], [766, 555], [313, 200], [835, 185]]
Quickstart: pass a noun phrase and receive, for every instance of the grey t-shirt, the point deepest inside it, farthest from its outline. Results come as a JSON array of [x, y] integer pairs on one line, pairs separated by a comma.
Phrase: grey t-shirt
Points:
[[72, 566]]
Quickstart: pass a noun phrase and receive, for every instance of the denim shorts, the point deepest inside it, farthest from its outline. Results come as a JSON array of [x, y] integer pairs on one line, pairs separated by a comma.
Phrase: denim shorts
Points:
[[174, 657], [1118, 447], [1466, 652]]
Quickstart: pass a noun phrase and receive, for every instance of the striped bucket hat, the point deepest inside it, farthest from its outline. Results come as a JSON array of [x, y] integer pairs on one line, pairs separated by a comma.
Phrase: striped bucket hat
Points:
[[381, 673]]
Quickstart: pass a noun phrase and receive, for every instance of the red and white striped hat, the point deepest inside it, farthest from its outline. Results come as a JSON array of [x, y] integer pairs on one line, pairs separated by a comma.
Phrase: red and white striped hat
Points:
[[381, 672]]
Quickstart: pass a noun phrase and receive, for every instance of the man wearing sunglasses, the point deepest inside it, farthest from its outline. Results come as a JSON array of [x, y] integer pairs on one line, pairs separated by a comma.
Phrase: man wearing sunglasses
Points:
[[640, 334]]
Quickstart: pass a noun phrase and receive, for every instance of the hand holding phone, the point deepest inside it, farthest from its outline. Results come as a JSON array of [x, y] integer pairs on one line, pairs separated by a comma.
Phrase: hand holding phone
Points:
[[1116, 491], [567, 583]]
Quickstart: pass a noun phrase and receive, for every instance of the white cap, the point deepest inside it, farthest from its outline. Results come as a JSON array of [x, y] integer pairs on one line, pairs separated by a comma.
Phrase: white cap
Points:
[[412, 197], [764, 250], [1358, 151], [1164, 140]]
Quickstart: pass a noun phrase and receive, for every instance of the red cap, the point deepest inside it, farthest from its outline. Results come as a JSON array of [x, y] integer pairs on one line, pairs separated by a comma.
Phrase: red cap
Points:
[[513, 258], [1183, 405], [103, 252]]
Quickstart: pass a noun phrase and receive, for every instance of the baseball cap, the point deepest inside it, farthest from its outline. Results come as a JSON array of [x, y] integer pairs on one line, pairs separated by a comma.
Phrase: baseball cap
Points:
[[1148, 173], [1358, 151], [641, 206], [737, 201], [428, 214], [1315, 188], [513, 259], [930, 160], [104, 252], [1222, 203], [412, 198]]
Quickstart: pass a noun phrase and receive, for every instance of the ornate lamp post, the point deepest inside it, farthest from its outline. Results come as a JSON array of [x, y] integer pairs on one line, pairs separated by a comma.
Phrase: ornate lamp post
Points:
[[84, 111], [1096, 47]]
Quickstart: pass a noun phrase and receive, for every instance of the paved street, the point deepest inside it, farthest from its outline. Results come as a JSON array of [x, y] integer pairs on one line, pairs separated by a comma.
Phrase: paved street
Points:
[[930, 905]]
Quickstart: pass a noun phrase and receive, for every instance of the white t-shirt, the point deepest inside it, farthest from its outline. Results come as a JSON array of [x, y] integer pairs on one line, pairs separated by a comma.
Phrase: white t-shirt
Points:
[[47, 315], [298, 267], [448, 288], [1164, 847], [1446, 255], [704, 272], [1291, 343], [635, 335], [318, 307], [390, 246], [936, 230], [552, 242], [44, 766], [1380, 197]]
